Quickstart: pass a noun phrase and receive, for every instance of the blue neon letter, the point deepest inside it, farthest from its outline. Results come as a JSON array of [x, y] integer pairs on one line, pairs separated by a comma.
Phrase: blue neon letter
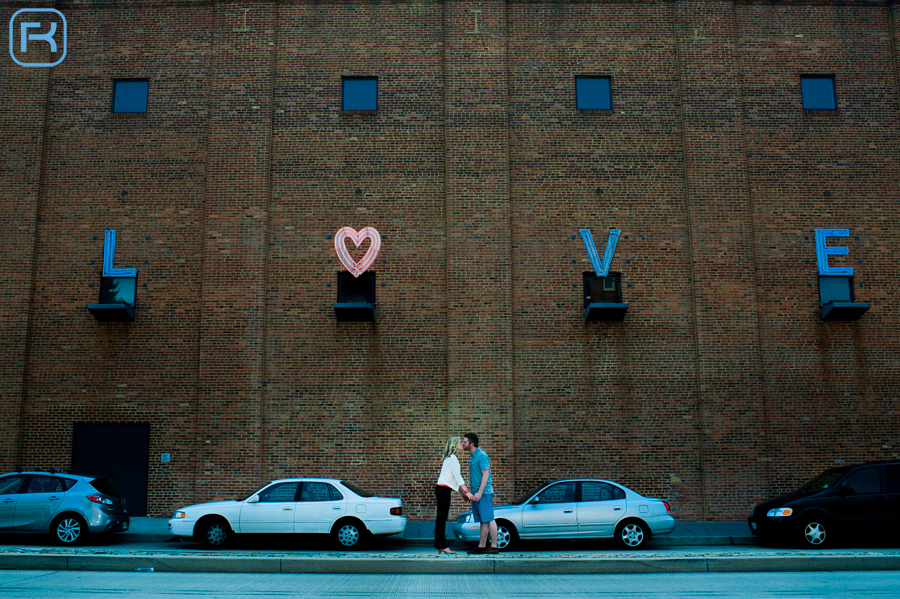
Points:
[[109, 253], [601, 269], [823, 251]]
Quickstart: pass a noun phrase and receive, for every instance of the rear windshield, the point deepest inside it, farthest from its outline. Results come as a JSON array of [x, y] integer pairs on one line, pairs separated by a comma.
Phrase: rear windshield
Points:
[[356, 489], [105, 486], [825, 480]]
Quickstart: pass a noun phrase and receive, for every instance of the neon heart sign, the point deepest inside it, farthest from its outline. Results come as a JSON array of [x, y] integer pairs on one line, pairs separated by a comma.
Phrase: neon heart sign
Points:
[[340, 246]]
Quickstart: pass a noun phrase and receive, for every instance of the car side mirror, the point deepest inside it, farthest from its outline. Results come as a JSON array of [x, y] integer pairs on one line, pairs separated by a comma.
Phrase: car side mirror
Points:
[[845, 490], [253, 499], [534, 500]]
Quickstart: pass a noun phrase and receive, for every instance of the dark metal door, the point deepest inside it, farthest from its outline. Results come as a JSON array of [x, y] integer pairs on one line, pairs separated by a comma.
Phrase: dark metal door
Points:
[[120, 452]]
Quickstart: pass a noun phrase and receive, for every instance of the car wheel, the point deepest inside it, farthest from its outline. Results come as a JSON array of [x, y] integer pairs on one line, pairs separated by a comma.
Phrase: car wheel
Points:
[[348, 534], [507, 537], [68, 529], [632, 534], [213, 533], [816, 533]]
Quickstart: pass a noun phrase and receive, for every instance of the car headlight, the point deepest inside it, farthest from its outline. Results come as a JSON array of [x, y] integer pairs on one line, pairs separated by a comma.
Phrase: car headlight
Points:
[[179, 515], [463, 518], [780, 512]]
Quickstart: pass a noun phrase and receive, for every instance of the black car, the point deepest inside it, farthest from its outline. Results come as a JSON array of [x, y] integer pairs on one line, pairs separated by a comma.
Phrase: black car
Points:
[[850, 501]]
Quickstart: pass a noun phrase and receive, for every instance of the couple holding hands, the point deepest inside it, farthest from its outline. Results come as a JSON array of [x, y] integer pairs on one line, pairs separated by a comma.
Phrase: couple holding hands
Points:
[[482, 499]]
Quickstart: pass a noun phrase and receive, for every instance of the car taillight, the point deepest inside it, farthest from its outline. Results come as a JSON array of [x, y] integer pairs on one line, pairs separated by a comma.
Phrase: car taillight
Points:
[[396, 511], [666, 503], [98, 499]]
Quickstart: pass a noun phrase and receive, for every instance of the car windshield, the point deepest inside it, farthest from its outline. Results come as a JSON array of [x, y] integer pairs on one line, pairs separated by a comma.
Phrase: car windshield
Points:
[[356, 489], [523, 498], [824, 481]]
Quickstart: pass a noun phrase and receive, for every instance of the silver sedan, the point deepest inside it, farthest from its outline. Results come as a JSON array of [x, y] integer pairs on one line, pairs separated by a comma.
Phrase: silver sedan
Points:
[[576, 509]]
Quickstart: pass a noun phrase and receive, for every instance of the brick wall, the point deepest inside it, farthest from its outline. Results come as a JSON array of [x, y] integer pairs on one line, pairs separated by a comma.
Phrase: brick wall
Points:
[[722, 386]]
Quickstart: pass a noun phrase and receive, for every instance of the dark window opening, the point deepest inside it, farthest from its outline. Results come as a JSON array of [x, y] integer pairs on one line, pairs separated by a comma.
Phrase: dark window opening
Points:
[[356, 290]]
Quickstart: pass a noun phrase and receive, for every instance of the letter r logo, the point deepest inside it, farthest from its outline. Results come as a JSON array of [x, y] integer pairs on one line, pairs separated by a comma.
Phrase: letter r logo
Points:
[[32, 39]]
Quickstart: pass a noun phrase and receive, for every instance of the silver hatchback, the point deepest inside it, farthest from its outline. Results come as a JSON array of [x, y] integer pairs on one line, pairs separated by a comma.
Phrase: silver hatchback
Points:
[[66, 506], [576, 509]]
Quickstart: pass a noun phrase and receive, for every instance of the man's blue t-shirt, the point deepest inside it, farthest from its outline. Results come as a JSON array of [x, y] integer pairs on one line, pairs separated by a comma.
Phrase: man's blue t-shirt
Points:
[[478, 462]]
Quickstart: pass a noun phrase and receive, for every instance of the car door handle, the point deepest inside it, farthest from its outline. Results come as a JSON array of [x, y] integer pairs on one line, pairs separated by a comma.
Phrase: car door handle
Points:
[[52, 498], [9, 501], [337, 508], [568, 511], [287, 509], [616, 509]]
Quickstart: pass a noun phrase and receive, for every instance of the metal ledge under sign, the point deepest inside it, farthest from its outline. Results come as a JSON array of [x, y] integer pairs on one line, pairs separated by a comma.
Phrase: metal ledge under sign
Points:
[[605, 311], [355, 311]]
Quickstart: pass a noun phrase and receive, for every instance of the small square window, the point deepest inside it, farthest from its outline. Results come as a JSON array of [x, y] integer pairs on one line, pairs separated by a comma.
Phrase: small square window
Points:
[[360, 94], [593, 93], [818, 93], [130, 95]]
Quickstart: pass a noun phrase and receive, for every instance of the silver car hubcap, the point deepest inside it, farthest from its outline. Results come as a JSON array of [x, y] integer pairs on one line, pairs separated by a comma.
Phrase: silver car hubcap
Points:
[[814, 533], [348, 535], [502, 537], [68, 530], [216, 534], [632, 535]]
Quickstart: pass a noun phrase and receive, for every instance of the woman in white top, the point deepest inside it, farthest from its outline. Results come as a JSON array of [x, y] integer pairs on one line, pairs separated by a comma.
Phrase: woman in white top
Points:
[[450, 479]]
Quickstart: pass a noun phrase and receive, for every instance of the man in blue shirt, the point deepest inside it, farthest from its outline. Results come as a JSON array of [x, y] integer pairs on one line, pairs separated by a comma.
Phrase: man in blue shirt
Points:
[[483, 499]]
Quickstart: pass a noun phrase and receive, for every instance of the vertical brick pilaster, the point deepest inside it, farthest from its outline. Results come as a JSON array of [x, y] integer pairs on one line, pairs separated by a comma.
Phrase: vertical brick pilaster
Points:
[[732, 402], [894, 19], [478, 230], [23, 110], [235, 250]]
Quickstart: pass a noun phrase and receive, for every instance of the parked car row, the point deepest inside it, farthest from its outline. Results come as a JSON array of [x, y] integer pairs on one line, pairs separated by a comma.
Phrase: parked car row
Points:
[[840, 503]]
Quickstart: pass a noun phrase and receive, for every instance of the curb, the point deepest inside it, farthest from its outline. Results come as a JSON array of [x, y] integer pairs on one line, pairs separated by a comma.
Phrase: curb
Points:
[[440, 565], [722, 541]]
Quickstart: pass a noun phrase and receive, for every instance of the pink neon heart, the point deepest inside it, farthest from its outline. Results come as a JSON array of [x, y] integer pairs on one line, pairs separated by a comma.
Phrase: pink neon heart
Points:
[[357, 268]]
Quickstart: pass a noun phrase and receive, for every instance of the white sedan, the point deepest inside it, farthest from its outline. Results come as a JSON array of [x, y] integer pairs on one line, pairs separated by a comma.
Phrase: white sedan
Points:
[[294, 505], [576, 509]]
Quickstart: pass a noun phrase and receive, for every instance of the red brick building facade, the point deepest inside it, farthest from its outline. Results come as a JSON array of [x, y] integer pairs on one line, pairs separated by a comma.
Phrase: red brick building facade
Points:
[[723, 384]]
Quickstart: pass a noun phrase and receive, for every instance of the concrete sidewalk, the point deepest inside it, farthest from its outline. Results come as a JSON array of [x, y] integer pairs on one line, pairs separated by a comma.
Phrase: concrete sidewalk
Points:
[[692, 547]]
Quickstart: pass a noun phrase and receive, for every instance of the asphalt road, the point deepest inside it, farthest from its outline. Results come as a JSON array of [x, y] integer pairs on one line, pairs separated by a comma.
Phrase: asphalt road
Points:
[[812, 585]]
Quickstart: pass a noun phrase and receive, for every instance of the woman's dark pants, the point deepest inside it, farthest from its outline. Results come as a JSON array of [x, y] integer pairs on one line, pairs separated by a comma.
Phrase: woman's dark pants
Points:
[[443, 510]]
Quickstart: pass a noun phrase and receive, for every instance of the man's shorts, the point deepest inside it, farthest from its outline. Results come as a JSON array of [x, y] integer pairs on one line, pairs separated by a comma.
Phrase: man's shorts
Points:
[[483, 509]]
